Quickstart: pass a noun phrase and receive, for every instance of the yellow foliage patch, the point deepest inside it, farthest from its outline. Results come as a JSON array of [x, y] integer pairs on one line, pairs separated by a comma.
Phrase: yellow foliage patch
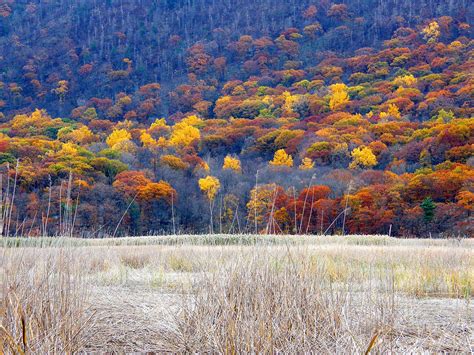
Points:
[[281, 158], [118, 136], [210, 185], [231, 163], [363, 157]]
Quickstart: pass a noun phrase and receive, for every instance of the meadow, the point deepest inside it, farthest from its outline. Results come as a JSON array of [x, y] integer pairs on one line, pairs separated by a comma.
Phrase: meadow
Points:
[[234, 294]]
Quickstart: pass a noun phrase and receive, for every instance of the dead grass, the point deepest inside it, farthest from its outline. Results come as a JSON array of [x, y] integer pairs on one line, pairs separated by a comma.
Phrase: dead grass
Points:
[[234, 239], [44, 302], [310, 295], [134, 261], [280, 307]]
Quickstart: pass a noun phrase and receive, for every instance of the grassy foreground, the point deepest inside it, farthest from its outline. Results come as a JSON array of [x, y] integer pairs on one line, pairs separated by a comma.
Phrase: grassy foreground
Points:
[[236, 294], [234, 239]]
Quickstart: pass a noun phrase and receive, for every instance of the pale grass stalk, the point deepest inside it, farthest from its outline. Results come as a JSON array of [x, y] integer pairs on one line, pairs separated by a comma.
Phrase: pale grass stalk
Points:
[[45, 224], [6, 206], [304, 205], [310, 214], [43, 302]]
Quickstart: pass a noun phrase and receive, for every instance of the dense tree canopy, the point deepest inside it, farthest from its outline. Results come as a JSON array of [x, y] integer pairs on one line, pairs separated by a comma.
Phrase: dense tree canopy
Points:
[[135, 117]]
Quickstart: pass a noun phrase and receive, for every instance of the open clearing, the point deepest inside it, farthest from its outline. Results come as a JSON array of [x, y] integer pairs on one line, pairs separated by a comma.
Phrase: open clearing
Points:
[[237, 294]]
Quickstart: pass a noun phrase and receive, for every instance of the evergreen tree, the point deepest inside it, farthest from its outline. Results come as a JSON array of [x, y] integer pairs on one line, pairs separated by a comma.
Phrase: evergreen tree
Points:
[[428, 207]]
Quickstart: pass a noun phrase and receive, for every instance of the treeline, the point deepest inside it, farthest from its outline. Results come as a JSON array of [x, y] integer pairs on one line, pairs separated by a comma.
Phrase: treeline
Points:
[[295, 126]]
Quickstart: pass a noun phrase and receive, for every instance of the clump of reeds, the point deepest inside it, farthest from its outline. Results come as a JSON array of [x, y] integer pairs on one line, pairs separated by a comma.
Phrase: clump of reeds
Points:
[[282, 305], [43, 303], [134, 261]]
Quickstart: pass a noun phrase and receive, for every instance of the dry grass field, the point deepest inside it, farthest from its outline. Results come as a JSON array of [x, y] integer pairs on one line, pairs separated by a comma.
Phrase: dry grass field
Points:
[[237, 294]]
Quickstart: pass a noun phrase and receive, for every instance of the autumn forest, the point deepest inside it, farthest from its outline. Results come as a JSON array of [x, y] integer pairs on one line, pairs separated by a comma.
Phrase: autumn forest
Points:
[[136, 117]]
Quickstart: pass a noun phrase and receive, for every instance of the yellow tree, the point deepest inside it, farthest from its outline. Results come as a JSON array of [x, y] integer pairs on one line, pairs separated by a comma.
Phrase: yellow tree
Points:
[[231, 163], [147, 140], [466, 200], [363, 157], [210, 185], [82, 135], [152, 145], [68, 149], [118, 136], [431, 32], [33, 124], [392, 112], [405, 81], [193, 120], [339, 96], [185, 132], [184, 135], [156, 135], [306, 164], [282, 159], [62, 89], [69, 158], [290, 101], [159, 123]]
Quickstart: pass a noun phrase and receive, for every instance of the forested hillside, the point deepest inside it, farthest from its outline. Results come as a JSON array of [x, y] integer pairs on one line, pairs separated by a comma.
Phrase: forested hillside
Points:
[[132, 117], [122, 45]]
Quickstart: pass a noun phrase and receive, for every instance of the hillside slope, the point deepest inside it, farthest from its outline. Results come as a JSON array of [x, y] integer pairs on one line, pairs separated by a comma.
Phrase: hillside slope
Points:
[[85, 42], [295, 117]]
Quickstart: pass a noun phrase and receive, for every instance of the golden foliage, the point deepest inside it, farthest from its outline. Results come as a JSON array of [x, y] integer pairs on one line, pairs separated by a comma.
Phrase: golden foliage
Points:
[[281, 158], [210, 185], [290, 101], [405, 81], [62, 89], [339, 96], [392, 112], [68, 149], [38, 118], [185, 132], [363, 157], [261, 200], [431, 32], [159, 122], [82, 135], [306, 164], [118, 136], [173, 162], [193, 120], [231, 163], [147, 140], [156, 191], [162, 142]]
